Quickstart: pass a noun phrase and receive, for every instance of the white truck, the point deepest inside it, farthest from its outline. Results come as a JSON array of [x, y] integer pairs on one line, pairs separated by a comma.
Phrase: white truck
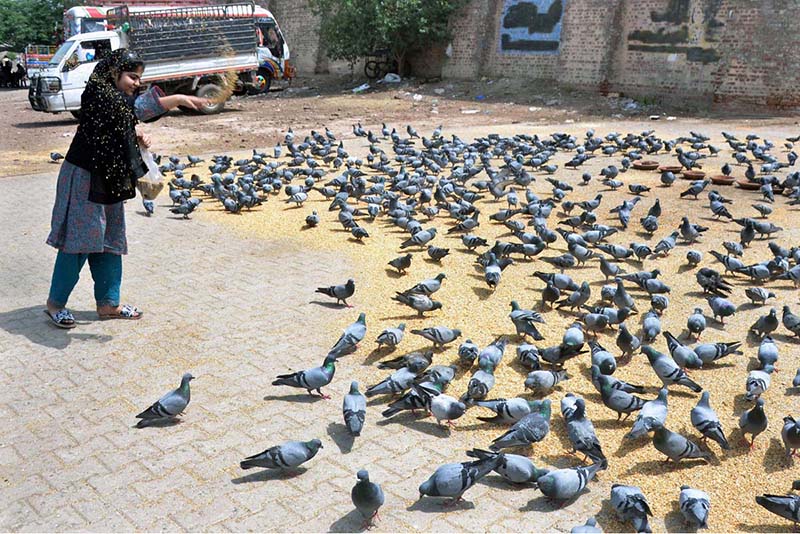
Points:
[[189, 50]]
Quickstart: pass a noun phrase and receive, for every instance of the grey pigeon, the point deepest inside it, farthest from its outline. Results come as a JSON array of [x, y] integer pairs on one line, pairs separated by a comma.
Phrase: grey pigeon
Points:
[[340, 292], [530, 429], [452, 480], [758, 381], [790, 434], [654, 411], [683, 355], [631, 505], [696, 323], [517, 469], [149, 206], [350, 338], [416, 361], [420, 239], [420, 303], [439, 335], [580, 429], [651, 326], [401, 263], [706, 421], [791, 321], [507, 410], [564, 484], [614, 396], [796, 379], [621, 298], [766, 324], [467, 352], [311, 379], [627, 342], [590, 527], [429, 286], [391, 337], [602, 358], [367, 497], [528, 356], [479, 385], [286, 456], [711, 352], [573, 336], [786, 506], [767, 352], [758, 295], [542, 381], [525, 321], [354, 409], [442, 407], [694, 505], [674, 446], [493, 353], [753, 421], [668, 371], [721, 308], [169, 406], [397, 382]]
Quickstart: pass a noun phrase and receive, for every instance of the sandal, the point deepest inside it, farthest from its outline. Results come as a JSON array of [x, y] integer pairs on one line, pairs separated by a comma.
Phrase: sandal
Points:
[[62, 318], [131, 313]]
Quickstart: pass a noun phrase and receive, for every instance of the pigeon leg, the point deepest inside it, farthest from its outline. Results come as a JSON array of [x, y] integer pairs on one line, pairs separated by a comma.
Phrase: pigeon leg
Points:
[[451, 424], [321, 394], [452, 503]]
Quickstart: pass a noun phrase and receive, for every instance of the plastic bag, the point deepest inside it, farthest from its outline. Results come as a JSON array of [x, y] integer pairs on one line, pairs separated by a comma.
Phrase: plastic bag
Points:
[[151, 184]]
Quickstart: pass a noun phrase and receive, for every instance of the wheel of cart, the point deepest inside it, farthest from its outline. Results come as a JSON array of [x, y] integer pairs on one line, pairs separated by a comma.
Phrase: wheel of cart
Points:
[[378, 63]]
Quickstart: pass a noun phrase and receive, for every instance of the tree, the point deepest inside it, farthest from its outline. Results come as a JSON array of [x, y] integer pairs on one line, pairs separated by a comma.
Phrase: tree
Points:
[[24, 22], [351, 29]]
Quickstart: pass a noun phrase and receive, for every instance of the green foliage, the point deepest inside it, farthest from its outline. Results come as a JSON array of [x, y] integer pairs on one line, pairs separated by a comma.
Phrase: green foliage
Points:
[[24, 22], [353, 28]]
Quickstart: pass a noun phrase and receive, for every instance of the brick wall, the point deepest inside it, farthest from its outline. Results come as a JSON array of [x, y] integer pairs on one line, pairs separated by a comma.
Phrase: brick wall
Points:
[[707, 49]]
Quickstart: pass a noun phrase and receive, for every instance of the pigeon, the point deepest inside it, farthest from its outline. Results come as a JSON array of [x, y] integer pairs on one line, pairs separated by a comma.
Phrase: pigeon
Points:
[[790, 434], [340, 292], [350, 338], [391, 337], [437, 253], [442, 407], [564, 484], [753, 421], [631, 505], [696, 323], [416, 361], [169, 406], [580, 429], [651, 326], [614, 395], [796, 379], [397, 382], [668, 371], [694, 505], [55, 157], [149, 206], [452, 480], [530, 429], [525, 321], [467, 352], [354, 408], [683, 355], [311, 379], [401, 263], [439, 335], [493, 353], [627, 342], [507, 410], [758, 381], [758, 295], [517, 469], [791, 321], [420, 239], [786, 506], [367, 497], [694, 257], [767, 352], [603, 359], [590, 527], [654, 411], [721, 308], [706, 421], [479, 384], [674, 446], [285, 456], [541, 382], [312, 220], [428, 287], [420, 303], [766, 324]]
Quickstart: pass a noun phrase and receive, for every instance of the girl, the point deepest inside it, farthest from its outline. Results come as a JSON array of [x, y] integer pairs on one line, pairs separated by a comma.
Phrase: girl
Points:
[[99, 173]]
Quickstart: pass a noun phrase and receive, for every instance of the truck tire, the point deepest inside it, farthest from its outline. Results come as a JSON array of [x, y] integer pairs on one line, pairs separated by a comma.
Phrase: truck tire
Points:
[[263, 80], [76, 114], [210, 90]]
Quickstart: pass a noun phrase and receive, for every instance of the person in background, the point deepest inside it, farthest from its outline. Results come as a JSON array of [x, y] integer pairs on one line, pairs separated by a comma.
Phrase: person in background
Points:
[[99, 173]]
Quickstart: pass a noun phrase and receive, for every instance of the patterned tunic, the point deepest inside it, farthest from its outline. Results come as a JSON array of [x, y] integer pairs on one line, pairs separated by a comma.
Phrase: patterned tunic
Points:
[[79, 226]]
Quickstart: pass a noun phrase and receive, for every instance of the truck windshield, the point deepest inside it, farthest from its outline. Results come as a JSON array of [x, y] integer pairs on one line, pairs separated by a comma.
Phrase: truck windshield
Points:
[[93, 25], [61, 53]]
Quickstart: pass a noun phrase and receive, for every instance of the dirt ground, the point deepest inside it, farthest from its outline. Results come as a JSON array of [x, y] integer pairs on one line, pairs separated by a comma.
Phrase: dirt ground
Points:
[[314, 102], [472, 110]]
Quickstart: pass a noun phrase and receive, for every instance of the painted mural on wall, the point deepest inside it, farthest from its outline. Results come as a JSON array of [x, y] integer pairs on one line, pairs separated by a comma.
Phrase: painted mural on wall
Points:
[[688, 27], [531, 26]]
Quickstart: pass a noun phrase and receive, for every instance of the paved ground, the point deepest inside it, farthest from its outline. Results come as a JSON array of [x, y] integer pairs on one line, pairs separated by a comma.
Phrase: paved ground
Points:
[[235, 313]]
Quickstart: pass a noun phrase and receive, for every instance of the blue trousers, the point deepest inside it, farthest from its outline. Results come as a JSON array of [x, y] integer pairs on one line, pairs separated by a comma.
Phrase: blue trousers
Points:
[[106, 271]]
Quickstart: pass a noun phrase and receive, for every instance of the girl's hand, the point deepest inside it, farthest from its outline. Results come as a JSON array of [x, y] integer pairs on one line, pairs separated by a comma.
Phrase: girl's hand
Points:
[[194, 102], [143, 138]]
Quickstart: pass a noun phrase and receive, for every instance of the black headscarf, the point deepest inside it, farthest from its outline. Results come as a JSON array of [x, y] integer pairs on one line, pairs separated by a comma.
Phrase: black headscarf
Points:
[[105, 143]]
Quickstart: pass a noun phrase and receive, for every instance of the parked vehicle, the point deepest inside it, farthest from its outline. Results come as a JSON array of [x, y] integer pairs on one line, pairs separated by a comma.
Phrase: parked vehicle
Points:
[[37, 57], [273, 52], [186, 50]]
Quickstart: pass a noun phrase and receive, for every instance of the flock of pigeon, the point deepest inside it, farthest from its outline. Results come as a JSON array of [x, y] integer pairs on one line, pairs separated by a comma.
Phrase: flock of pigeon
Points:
[[410, 181]]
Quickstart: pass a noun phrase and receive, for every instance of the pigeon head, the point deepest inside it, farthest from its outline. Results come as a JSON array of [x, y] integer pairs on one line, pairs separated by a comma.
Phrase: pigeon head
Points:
[[186, 378], [363, 475], [362, 318], [314, 445], [353, 387], [440, 276]]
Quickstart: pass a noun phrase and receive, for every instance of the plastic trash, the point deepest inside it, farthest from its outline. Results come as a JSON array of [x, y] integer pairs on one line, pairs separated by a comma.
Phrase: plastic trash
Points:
[[480, 97], [470, 111], [391, 77], [361, 88]]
